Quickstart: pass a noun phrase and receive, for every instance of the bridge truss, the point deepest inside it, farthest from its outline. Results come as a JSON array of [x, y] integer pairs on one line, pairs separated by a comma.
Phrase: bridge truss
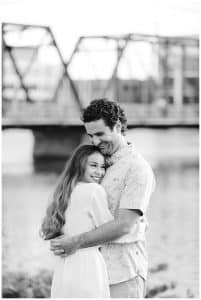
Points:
[[154, 77]]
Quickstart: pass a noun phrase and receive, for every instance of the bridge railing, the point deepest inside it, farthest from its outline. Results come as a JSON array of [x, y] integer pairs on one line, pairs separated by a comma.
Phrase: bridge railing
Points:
[[53, 114]]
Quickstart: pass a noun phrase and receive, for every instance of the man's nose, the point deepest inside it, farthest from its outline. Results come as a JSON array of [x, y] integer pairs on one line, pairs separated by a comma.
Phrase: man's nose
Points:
[[95, 141]]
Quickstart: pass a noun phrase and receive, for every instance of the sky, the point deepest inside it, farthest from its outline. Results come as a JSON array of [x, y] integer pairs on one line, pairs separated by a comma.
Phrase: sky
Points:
[[70, 19]]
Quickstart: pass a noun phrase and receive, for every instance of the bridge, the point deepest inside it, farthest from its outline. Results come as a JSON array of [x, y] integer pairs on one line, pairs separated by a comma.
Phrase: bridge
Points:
[[37, 116], [43, 92]]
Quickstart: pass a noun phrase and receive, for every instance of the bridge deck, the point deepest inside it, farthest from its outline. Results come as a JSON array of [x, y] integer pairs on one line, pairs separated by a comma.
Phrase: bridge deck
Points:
[[28, 115]]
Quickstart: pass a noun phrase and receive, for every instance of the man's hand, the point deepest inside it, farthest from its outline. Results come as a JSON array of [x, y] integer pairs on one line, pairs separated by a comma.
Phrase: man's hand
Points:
[[64, 245]]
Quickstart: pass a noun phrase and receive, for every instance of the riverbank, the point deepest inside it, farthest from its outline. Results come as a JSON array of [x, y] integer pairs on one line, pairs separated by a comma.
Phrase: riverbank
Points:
[[24, 285]]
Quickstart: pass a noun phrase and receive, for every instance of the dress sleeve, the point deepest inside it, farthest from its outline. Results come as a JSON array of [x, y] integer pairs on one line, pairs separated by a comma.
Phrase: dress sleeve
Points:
[[139, 185], [100, 212]]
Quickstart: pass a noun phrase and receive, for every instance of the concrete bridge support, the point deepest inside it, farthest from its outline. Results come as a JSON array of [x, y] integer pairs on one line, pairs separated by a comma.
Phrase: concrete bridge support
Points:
[[57, 142]]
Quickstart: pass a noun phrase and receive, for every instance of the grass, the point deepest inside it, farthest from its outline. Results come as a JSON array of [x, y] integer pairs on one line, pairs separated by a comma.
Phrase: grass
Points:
[[24, 285]]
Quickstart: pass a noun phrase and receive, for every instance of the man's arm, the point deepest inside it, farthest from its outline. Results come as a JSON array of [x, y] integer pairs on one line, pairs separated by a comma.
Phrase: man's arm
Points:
[[107, 232], [134, 202]]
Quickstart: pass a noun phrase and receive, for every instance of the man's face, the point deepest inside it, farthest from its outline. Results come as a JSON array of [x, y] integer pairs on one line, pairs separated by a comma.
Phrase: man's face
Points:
[[102, 136]]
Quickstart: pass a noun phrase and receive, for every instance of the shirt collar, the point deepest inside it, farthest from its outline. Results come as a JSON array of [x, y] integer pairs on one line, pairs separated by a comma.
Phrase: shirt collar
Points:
[[119, 154]]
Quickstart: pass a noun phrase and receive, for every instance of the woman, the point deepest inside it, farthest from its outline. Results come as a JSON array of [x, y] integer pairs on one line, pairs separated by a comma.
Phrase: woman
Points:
[[79, 204]]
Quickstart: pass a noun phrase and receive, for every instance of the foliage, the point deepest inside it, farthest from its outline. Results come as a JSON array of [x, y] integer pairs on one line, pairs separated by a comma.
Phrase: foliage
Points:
[[23, 285]]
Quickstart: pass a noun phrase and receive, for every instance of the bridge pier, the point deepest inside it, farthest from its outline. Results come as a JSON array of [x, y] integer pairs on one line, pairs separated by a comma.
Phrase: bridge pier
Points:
[[56, 142]]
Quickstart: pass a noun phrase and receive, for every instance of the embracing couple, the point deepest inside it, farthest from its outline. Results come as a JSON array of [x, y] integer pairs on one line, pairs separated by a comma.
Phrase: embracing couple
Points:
[[96, 220]]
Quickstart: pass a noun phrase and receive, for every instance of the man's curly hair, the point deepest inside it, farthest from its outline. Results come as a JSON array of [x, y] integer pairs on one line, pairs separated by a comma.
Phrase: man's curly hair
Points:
[[107, 110]]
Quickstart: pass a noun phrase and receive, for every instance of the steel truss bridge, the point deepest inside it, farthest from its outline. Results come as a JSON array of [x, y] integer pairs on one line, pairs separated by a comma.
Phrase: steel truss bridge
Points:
[[42, 89]]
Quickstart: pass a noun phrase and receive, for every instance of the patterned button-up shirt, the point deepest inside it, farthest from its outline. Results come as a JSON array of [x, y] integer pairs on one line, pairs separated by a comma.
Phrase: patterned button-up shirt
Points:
[[129, 183]]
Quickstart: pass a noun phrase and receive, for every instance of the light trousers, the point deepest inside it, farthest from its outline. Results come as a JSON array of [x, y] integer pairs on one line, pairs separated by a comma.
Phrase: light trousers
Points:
[[133, 288]]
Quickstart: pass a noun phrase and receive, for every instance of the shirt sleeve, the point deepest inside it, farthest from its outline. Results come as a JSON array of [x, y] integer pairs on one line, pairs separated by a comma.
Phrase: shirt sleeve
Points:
[[139, 185], [100, 212]]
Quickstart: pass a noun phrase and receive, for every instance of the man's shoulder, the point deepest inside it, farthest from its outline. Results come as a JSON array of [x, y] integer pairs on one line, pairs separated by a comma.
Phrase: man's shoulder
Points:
[[140, 167], [137, 159], [131, 160]]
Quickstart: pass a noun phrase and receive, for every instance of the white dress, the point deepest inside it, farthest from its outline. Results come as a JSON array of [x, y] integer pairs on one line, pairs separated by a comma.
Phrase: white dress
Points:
[[83, 274]]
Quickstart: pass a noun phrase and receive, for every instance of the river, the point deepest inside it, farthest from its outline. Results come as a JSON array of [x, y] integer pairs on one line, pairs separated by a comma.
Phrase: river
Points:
[[173, 213]]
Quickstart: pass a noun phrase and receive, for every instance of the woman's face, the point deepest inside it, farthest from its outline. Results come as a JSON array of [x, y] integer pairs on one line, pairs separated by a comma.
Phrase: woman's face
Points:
[[95, 168]]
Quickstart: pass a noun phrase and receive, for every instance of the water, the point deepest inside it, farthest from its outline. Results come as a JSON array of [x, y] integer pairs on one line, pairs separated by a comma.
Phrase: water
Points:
[[173, 213]]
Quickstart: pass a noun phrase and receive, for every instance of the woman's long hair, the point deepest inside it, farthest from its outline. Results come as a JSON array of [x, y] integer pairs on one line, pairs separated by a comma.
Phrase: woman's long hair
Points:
[[72, 174]]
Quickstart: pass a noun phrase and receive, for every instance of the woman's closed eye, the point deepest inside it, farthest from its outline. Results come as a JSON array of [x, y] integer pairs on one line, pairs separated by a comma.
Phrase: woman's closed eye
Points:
[[96, 165], [93, 165]]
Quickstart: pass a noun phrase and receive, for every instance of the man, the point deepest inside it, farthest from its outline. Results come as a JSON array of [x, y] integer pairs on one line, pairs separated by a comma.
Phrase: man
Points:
[[129, 183]]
